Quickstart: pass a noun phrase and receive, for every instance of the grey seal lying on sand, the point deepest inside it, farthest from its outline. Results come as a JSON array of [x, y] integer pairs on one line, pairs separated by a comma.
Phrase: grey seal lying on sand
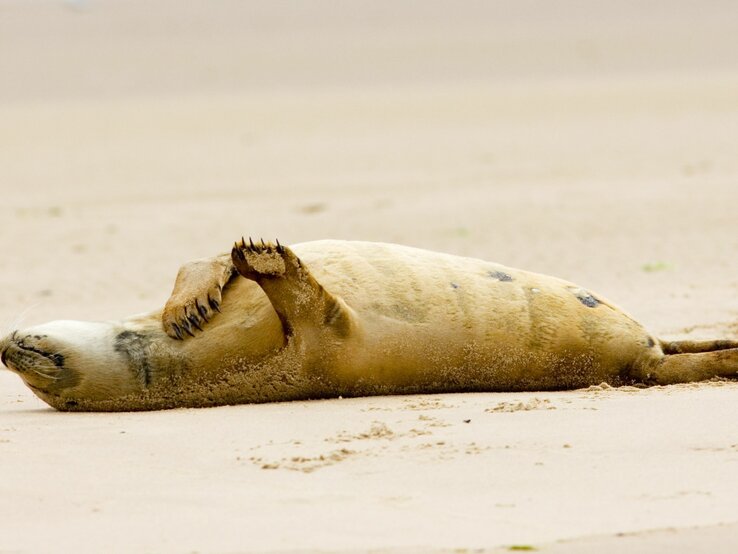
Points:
[[322, 319]]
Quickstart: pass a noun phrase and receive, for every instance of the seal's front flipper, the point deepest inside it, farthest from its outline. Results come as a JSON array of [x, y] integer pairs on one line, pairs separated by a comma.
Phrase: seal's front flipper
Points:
[[299, 300], [196, 296]]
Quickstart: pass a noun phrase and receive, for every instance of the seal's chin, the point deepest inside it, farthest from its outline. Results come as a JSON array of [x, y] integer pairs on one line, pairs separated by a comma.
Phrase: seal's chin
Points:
[[63, 361]]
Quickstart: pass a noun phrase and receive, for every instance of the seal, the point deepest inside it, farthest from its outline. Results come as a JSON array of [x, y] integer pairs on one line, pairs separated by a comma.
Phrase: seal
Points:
[[268, 322]]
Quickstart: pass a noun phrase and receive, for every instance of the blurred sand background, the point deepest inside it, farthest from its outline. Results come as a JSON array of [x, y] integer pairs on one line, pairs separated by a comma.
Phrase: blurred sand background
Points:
[[596, 141]]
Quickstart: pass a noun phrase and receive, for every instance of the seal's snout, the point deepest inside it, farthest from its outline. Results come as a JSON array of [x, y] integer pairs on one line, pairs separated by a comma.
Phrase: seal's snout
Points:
[[4, 343], [23, 353]]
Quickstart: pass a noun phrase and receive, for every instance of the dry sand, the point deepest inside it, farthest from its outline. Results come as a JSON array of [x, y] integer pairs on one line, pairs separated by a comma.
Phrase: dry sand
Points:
[[596, 143]]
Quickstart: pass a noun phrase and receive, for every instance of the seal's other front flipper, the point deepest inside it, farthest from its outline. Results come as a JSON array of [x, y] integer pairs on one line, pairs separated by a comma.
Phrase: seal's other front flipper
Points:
[[301, 303]]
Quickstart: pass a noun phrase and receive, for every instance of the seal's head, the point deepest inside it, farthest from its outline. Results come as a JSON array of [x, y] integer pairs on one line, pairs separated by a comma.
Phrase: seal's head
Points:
[[65, 361]]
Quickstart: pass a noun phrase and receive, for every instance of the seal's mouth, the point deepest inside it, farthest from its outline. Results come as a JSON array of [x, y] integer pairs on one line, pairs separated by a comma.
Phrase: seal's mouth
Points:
[[56, 358]]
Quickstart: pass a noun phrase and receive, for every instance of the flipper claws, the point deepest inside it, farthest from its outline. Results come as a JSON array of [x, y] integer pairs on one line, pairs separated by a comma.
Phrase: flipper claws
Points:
[[238, 251], [187, 328], [193, 319], [202, 310]]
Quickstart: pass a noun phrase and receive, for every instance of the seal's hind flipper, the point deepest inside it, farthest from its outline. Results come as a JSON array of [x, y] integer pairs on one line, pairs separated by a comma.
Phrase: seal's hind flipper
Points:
[[696, 347], [299, 300], [692, 367]]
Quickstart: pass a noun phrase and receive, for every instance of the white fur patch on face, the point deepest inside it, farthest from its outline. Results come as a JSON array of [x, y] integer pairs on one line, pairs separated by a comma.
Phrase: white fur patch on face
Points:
[[91, 341]]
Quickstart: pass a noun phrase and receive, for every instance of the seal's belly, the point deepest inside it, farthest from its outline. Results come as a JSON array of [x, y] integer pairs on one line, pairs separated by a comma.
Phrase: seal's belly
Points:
[[426, 313]]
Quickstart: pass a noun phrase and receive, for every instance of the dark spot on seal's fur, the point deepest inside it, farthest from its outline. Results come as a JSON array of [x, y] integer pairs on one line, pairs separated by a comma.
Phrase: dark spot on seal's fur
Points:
[[134, 346], [70, 403], [587, 299], [454, 285], [499, 275]]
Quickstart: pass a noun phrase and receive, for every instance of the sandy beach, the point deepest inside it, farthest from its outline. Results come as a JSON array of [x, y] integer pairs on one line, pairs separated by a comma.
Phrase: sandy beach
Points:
[[599, 145]]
